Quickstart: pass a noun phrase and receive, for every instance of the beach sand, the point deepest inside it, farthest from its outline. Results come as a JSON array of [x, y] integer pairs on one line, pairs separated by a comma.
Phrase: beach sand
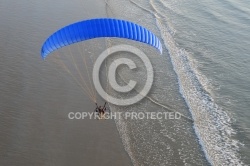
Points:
[[36, 99]]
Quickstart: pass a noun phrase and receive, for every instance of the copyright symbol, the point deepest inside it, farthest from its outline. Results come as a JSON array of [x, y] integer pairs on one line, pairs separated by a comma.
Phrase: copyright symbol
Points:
[[112, 75]]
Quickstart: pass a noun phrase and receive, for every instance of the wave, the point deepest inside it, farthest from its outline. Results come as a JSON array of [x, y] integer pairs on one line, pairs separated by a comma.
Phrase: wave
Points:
[[211, 124]]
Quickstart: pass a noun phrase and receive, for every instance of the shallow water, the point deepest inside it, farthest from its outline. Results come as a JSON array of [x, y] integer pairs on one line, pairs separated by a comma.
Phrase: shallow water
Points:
[[207, 47], [203, 74]]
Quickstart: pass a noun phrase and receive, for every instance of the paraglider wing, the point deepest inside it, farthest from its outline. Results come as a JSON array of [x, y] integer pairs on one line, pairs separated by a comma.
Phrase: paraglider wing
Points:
[[95, 28]]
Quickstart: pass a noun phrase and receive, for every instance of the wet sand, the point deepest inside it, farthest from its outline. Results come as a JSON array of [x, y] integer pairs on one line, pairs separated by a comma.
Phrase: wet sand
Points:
[[35, 99]]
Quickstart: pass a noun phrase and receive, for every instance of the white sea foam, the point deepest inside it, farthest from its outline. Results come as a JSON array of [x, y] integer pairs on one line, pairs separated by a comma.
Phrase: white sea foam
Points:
[[212, 125]]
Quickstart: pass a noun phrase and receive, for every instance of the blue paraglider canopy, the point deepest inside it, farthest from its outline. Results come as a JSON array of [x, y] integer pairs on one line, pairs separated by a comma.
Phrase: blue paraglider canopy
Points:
[[95, 28]]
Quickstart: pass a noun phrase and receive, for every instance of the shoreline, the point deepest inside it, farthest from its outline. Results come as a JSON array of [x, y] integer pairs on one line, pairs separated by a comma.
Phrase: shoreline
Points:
[[35, 129]]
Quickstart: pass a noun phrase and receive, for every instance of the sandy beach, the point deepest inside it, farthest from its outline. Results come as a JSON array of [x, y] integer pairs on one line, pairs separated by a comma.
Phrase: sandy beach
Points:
[[35, 98], [199, 70]]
